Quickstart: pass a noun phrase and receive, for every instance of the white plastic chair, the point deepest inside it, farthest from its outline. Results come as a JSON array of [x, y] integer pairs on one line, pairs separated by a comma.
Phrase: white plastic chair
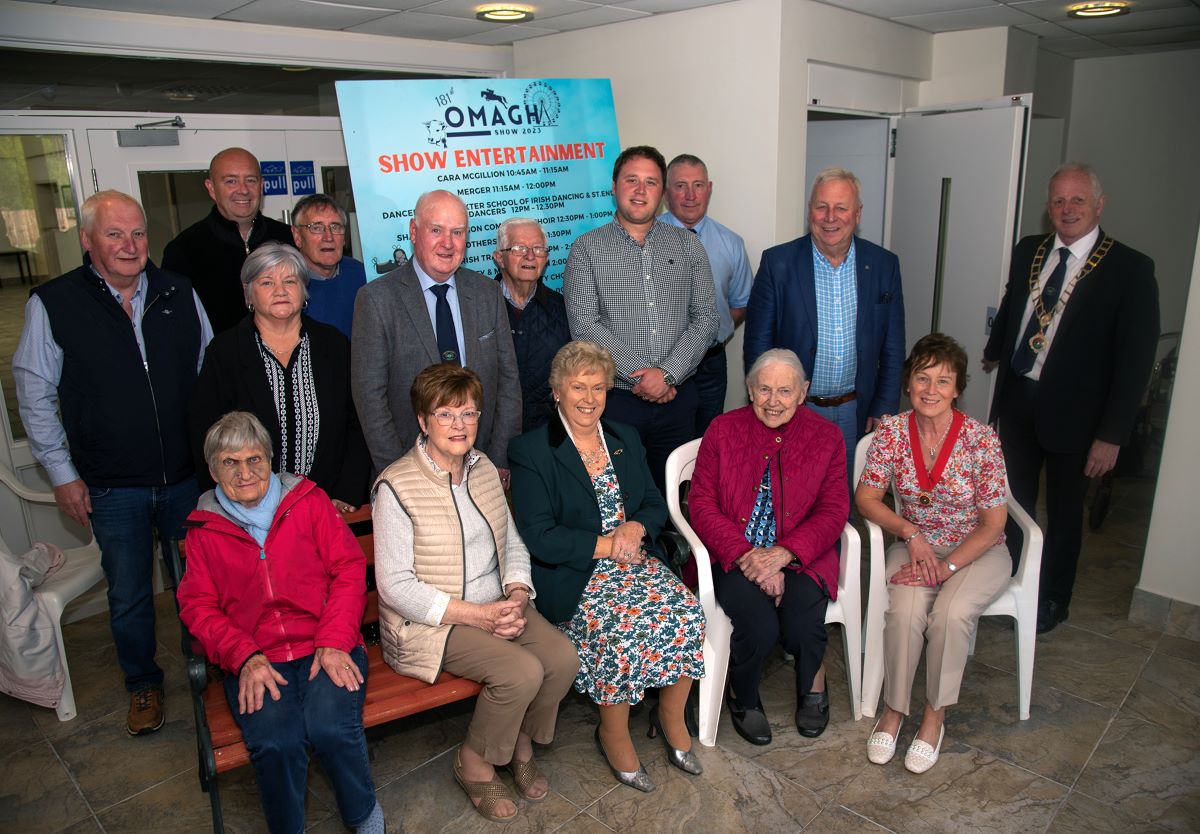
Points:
[[80, 573], [1019, 600], [718, 629]]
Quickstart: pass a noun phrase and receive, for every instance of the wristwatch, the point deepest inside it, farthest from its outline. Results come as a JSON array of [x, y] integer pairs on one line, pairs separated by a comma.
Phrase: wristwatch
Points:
[[668, 377], [953, 567]]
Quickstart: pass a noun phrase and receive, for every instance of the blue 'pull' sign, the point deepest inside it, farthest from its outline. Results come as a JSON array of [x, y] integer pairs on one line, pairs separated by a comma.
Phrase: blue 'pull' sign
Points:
[[304, 178], [274, 175]]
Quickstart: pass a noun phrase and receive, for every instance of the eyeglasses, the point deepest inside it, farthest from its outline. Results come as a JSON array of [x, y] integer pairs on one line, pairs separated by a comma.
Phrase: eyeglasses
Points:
[[449, 418], [319, 228], [521, 250]]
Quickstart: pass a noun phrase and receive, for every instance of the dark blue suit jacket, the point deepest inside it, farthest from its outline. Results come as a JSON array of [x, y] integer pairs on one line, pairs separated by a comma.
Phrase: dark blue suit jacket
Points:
[[782, 313]]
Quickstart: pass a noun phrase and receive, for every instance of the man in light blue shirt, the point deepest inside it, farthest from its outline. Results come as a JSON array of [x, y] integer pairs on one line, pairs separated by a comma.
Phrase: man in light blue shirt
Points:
[[688, 192]]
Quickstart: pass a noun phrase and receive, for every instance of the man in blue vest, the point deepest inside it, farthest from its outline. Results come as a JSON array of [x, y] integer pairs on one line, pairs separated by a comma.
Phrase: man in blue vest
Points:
[[115, 345]]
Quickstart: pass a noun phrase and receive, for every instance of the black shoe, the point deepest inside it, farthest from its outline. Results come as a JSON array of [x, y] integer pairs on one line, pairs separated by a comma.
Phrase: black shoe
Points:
[[751, 724], [812, 713], [1050, 614]]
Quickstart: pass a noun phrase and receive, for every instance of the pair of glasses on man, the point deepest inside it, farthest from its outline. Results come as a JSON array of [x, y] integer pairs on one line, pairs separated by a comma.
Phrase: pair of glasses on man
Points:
[[320, 228], [521, 250], [449, 418]]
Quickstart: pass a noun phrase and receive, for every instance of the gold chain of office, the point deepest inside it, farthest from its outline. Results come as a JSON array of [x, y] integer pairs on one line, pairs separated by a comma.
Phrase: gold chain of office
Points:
[[1037, 342]]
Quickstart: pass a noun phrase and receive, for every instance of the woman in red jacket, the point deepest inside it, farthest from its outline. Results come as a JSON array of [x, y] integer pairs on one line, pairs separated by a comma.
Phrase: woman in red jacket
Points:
[[274, 591], [769, 502]]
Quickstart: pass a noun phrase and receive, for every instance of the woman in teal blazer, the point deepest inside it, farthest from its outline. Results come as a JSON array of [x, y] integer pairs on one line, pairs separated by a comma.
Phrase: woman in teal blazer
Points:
[[589, 512]]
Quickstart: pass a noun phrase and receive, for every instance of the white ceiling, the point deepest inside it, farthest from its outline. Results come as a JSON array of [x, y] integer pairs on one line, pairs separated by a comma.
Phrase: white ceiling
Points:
[[1153, 25], [102, 82]]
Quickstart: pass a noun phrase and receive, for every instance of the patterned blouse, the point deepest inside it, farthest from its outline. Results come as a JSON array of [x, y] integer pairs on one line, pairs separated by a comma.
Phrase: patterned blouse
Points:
[[973, 479], [294, 392], [760, 530], [608, 497]]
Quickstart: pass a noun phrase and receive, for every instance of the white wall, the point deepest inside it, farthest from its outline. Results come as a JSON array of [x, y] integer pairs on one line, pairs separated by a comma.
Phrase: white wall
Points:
[[967, 66], [1136, 119], [1170, 567]]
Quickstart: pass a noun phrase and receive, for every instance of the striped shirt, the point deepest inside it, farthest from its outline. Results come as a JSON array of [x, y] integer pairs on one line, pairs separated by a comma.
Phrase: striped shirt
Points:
[[651, 305], [837, 313]]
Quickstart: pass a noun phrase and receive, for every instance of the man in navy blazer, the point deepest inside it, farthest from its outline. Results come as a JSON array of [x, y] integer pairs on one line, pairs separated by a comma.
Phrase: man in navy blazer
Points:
[[396, 337], [835, 300]]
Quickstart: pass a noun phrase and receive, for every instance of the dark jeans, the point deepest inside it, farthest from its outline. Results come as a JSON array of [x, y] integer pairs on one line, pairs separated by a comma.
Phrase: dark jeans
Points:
[[799, 622], [663, 428], [310, 716], [845, 417], [125, 520], [1066, 489], [712, 376]]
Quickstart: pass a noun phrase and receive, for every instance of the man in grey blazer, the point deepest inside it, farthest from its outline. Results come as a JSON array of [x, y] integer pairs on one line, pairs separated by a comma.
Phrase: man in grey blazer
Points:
[[431, 310]]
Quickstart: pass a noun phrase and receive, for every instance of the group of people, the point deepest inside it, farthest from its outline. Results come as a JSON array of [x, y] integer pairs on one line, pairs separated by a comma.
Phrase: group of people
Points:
[[512, 441]]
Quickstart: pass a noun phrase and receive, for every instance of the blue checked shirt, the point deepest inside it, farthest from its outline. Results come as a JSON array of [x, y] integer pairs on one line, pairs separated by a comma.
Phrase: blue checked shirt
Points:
[[650, 305], [837, 314]]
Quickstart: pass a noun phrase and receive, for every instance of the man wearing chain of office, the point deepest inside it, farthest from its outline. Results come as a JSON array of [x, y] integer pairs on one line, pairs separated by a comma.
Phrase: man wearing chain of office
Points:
[[1074, 342]]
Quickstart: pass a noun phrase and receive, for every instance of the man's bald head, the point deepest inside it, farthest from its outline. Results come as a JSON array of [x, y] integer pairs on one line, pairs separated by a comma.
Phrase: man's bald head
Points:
[[235, 185]]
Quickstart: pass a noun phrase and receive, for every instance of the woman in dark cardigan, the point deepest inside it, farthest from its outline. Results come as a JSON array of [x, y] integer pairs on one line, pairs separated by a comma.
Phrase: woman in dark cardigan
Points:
[[293, 374]]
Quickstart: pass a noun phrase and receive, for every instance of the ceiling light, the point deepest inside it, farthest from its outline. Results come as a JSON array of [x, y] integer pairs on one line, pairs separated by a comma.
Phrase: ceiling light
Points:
[[292, 68], [1108, 9], [504, 13]]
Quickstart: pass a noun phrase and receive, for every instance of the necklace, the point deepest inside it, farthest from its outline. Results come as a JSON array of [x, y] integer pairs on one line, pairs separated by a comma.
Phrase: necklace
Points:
[[932, 450], [593, 458], [1037, 342], [928, 479]]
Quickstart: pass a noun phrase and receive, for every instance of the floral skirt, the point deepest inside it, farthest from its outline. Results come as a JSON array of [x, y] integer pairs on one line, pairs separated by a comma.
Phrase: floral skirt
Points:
[[636, 626]]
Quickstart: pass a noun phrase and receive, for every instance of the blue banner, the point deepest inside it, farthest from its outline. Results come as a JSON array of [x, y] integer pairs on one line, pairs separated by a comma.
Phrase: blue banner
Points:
[[304, 178], [509, 147], [274, 177]]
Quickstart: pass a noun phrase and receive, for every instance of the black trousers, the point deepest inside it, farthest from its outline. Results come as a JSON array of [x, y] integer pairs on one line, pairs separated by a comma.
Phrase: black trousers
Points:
[[712, 376], [1066, 489], [798, 622], [663, 428]]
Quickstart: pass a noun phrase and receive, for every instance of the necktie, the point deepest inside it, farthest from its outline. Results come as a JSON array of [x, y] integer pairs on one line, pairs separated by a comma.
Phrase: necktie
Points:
[[1025, 355], [447, 341]]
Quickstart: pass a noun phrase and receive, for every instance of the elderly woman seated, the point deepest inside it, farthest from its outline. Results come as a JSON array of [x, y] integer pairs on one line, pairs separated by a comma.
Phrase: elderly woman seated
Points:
[[950, 560], [454, 591], [589, 509], [274, 591], [769, 502]]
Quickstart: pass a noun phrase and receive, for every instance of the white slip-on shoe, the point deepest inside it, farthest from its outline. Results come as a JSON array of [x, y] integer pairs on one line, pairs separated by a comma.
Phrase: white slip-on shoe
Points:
[[920, 756], [881, 747]]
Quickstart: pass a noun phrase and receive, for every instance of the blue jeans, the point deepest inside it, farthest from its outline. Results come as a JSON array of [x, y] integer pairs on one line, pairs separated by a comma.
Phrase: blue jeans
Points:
[[845, 417], [310, 716], [125, 520]]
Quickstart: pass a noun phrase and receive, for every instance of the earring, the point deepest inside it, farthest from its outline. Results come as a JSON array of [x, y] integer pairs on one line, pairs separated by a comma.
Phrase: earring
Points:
[[250, 307]]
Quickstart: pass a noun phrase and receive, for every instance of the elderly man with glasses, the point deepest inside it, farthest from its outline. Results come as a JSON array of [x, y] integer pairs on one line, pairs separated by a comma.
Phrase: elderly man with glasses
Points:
[[319, 227], [537, 313]]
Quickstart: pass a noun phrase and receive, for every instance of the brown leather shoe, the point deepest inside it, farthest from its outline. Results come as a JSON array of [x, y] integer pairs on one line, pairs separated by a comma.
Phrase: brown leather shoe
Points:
[[146, 713]]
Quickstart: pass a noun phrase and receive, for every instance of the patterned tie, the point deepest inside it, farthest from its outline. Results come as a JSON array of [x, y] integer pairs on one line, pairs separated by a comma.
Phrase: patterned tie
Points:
[[1025, 355], [447, 341]]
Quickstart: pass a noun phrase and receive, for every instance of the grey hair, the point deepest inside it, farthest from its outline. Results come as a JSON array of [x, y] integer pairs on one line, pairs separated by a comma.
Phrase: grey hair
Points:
[[1077, 168], [87, 212], [513, 222], [686, 159], [843, 174], [429, 195], [270, 255], [783, 356], [314, 202], [236, 430]]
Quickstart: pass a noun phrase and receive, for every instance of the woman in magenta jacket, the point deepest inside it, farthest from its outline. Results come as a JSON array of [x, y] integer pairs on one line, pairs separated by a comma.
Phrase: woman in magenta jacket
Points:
[[769, 502], [274, 590]]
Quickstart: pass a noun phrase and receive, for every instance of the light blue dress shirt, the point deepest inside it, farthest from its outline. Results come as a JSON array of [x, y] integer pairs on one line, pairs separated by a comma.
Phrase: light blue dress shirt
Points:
[[37, 370], [837, 316], [730, 268], [431, 306]]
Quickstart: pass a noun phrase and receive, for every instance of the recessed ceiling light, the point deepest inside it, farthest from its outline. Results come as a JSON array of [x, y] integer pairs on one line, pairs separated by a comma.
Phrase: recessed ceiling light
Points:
[[1108, 9], [293, 68], [504, 13]]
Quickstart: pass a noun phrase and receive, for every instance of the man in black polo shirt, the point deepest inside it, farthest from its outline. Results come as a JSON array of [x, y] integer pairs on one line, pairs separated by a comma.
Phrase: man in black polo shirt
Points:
[[211, 252], [116, 345]]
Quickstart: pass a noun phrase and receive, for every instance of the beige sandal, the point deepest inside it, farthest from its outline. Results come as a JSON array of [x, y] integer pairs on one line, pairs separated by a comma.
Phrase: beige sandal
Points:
[[524, 775], [485, 796]]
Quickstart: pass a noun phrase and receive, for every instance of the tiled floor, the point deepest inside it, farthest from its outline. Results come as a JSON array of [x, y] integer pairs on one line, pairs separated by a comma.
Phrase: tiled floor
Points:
[[1110, 746]]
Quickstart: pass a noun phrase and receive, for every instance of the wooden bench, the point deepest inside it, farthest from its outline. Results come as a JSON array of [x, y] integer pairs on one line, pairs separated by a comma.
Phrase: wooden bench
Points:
[[389, 696]]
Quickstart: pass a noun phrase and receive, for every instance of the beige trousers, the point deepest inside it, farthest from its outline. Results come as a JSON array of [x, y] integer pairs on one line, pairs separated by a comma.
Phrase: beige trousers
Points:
[[523, 681], [945, 617]]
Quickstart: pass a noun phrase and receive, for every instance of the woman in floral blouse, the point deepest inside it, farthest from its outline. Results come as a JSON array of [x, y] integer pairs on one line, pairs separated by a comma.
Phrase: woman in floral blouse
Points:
[[588, 510], [949, 561]]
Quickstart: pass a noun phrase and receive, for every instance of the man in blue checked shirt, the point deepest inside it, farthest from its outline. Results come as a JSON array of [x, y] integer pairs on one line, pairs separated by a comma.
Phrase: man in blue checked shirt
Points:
[[835, 300], [644, 290], [688, 191]]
